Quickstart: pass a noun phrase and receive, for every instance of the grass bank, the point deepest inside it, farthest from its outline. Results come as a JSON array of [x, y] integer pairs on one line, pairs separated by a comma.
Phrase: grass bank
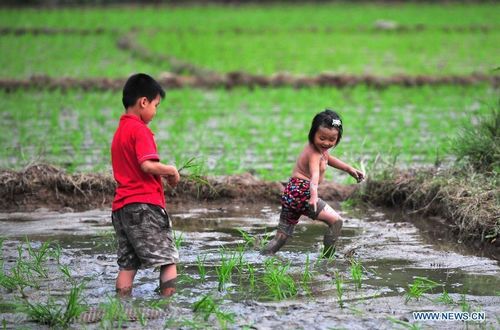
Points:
[[466, 196], [468, 201]]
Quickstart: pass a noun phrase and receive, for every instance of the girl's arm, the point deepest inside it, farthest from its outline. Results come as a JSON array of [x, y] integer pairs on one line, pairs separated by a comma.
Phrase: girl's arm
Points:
[[314, 160], [337, 163]]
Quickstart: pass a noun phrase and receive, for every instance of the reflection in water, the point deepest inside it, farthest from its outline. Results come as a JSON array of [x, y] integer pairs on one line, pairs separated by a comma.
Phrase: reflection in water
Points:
[[393, 254]]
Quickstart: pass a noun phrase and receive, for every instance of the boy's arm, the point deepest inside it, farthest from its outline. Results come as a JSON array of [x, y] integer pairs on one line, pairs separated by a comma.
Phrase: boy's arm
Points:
[[338, 164], [314, 160], [156, 168]]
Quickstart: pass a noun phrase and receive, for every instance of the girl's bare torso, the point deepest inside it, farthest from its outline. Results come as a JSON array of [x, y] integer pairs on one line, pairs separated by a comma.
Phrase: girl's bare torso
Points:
[[302, 170]]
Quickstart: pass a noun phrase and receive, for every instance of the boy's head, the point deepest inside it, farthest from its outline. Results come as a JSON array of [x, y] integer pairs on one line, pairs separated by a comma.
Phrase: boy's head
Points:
[[328, 119], [140, 85]]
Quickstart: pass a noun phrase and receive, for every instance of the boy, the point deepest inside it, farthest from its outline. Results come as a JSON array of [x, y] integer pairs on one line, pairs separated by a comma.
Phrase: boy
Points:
[[142, 225]]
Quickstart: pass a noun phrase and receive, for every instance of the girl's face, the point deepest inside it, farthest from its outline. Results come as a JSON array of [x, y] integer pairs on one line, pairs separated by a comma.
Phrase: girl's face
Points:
[[325, 138]]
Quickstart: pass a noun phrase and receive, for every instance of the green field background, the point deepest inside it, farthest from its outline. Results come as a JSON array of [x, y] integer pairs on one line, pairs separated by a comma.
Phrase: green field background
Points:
[[254, 130]]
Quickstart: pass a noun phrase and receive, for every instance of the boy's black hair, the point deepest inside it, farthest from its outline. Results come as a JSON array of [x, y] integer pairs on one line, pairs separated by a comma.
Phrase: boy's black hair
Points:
[[328, 119], [140, 85]]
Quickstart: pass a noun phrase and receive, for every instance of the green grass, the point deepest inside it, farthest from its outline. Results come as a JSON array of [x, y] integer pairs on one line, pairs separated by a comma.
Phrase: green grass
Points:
[[57, 314], [303, 52], [339, 285], [306, 52], [261, 130], [67, 55], [279, 283], [215, 17], [479, 143], [257, 39], [418, 287]]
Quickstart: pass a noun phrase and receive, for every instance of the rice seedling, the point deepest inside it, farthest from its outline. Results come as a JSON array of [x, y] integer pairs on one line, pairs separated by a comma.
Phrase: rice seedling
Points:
[[239, 255], [159, 303], [278, 16], [419, 286], [178, 239], [208, 306], [66, 271], [251, 275], [196, 174], [356, 273], [279, 283], [38, 257], [141, 316], [249, 239], [339, 285], [57, 314], [21, 275], [56, 252], [184, 279], [15, 281], [202, 270], [184, 323], [328, 254], [307, 275], [108, 241], [405, 324], [114, 315], [464, 304], [225, 269], [234, 141], [445, 298]]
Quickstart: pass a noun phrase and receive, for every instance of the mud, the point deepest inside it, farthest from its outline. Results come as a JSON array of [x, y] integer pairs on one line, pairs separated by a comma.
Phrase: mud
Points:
[[45, 186], [378, 27], [391, 248], [243, 79]]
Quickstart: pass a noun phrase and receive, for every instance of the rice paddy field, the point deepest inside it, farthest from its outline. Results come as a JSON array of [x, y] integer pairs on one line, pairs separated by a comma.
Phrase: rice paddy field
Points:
[[257, 130], [387, 266]]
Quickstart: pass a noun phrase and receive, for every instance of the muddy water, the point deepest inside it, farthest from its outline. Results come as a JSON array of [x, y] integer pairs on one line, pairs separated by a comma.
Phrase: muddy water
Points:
[[392, 250]]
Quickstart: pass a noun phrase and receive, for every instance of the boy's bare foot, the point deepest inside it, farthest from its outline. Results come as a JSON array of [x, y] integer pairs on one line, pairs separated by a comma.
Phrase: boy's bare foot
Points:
[[124, 292], [167, 289]]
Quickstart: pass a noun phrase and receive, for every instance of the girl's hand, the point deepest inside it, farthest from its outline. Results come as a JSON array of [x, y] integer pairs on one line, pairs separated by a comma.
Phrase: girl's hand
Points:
[[357, 174]]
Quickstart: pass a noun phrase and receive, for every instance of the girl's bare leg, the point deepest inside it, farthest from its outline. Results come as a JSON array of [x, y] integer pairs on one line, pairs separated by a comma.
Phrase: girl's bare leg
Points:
[[334, 222], [124, 282], [275, 244]]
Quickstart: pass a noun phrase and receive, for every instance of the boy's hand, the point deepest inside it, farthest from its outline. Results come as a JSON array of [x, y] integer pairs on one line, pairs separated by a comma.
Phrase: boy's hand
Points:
[[357, 174], [174, 178]]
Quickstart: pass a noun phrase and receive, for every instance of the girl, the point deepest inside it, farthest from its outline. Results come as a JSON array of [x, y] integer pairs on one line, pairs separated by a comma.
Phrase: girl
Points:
[[300, 196]]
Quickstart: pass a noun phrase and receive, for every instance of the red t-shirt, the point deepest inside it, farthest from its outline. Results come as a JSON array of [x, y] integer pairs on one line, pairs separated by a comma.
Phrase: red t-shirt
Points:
[[133, 143]]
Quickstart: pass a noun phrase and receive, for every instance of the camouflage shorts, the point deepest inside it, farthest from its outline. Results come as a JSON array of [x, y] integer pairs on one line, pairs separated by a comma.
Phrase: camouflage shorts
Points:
[[145, 239]]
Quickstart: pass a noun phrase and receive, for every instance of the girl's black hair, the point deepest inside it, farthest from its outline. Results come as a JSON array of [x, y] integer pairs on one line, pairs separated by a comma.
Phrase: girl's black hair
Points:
[[140, 85], [328, 119]]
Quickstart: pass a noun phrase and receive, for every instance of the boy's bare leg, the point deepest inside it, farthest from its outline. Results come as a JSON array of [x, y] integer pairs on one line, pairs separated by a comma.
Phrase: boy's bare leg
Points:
[[124, 282], [275, 244], [168, 274], [334, 222]]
